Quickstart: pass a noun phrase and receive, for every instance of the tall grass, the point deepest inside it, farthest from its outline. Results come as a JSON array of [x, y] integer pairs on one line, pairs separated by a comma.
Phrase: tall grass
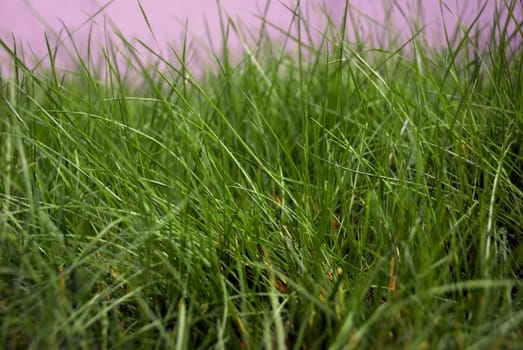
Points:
[[341, 196]]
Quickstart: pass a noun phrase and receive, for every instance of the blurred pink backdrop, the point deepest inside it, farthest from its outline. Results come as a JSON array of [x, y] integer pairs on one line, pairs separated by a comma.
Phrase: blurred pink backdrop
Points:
[[27, 20]]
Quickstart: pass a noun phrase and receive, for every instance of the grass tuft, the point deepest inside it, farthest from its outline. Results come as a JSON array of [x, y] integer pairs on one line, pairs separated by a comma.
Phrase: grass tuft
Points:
[[335, 195]]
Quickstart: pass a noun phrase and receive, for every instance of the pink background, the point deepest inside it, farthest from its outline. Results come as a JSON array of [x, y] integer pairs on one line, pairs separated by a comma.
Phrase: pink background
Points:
[[27, 20]]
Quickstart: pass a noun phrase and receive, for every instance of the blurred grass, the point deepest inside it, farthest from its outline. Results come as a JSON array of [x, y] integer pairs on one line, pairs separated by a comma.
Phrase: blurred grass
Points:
[[341, 196]]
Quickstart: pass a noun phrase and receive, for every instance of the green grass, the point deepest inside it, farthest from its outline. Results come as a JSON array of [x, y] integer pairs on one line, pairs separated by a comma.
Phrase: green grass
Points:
[[340, 196]]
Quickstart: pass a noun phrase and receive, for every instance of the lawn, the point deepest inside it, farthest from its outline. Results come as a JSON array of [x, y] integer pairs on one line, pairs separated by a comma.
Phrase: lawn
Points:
[[336, 195]]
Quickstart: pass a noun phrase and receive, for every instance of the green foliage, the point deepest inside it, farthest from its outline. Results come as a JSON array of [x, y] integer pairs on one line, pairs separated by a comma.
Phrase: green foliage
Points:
[[341, 197]]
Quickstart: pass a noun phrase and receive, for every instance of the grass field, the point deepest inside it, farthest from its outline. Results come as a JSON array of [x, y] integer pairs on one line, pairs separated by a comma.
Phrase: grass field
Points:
[[339, 196]]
